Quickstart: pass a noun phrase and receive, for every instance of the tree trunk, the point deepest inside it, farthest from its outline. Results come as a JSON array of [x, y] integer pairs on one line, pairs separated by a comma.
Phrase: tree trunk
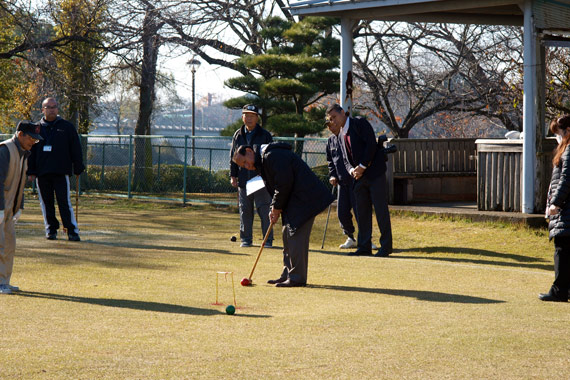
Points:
[[142, 179]]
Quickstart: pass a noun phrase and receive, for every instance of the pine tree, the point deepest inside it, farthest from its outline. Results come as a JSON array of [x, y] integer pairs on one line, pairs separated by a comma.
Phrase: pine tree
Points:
[[287, 82]]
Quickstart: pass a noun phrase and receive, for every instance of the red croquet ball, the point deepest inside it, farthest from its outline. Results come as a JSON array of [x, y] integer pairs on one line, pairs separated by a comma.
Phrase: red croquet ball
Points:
[[245, 281]]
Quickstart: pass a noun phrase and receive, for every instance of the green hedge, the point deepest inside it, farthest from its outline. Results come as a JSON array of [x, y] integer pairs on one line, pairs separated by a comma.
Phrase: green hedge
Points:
[[169, 178]]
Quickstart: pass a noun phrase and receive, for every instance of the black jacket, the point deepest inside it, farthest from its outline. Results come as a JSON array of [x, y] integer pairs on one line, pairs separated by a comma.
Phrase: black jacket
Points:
[[559, 224], [335, 161], [260, 136], [63, 153], [365, 149], [295, 189]]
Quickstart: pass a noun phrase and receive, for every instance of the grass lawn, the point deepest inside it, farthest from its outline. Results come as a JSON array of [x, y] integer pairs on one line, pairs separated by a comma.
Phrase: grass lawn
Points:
[[134, 300]]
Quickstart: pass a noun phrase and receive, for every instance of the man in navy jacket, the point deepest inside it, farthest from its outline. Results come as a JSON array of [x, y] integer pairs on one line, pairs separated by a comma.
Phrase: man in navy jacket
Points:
[[52, 161], [251, 134], [367, 165], [298, 196]]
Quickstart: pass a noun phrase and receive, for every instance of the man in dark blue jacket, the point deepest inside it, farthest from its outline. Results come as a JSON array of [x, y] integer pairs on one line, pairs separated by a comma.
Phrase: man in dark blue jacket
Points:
[[253, 135], [52, 161], [367, 165], [298, 197]]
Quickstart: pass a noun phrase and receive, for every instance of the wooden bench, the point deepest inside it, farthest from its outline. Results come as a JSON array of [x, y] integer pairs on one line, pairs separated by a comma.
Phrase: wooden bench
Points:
[[432, 170]]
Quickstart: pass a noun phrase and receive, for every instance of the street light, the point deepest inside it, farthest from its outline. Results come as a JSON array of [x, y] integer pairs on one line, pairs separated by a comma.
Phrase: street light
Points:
[[194, 64]]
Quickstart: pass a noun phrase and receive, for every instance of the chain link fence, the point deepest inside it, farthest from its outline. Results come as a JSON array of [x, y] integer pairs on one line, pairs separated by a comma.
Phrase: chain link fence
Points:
[[180, 168]]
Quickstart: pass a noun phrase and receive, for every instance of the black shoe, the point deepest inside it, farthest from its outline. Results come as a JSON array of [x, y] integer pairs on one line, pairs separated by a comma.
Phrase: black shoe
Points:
[[290, 284], [278, 281], [383, 252], [52, 236], [73, 237], [359, 253], [550, 297]]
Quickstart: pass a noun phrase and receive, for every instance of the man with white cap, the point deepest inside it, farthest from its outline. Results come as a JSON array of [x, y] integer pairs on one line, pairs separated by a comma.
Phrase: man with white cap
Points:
[[250, 134], [14, 155]]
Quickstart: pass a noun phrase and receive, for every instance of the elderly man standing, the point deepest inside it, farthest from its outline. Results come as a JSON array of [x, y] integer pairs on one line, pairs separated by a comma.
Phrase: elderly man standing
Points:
[[52, 162], [339, 177], [367, 165], [253, 135], [298, 197], [14, 155]]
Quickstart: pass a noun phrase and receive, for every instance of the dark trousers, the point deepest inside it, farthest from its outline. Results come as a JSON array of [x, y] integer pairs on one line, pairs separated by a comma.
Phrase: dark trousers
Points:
[[368, 193], [296, 252], [345, 203], [59, 184], [561, 267]]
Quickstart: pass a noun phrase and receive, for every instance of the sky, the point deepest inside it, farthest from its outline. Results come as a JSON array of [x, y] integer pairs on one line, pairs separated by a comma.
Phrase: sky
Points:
[[208, 78]]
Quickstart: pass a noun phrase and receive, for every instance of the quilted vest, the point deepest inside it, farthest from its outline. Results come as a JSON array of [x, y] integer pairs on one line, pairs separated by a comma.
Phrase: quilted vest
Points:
[[15, 178]]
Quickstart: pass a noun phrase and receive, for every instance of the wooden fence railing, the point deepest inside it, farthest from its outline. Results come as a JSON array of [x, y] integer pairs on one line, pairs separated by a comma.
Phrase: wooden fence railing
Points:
[[431, 156]]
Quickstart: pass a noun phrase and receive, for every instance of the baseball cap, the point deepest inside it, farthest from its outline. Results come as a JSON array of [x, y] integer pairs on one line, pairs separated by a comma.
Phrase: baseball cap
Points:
[[30, 129], [250, 108]]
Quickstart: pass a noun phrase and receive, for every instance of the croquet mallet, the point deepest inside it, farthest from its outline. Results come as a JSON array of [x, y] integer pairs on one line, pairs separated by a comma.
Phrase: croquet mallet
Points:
[[249, 282], [327, 223], [77, 199]]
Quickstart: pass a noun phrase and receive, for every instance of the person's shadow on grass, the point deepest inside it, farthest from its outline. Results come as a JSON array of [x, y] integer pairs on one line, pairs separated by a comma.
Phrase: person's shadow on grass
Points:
[[133, 304], [484, 256], [422, 295]]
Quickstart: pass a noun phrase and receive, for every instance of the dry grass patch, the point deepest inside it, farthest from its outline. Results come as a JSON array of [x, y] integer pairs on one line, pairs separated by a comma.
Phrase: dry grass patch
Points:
[[133, 300]]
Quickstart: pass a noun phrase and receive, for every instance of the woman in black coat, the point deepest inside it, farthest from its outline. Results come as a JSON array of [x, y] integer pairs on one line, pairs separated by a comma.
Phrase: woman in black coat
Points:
[[558, 212]]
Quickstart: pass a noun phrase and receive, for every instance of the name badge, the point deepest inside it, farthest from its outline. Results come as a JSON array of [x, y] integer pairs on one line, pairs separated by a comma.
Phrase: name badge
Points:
[[47, 148]]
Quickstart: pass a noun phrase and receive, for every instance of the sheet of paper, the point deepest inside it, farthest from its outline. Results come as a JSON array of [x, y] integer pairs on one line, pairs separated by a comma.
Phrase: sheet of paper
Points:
[[254, 184]]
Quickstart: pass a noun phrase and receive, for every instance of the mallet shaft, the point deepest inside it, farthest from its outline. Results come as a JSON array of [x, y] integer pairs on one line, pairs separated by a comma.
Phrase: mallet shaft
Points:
[[261, 248]]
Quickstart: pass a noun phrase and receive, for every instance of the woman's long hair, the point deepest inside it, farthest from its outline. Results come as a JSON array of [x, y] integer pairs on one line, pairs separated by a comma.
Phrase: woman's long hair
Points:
[[562, 123]]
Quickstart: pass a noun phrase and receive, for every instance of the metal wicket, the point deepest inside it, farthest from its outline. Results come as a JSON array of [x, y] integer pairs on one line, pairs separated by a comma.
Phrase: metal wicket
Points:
[[217, 286]]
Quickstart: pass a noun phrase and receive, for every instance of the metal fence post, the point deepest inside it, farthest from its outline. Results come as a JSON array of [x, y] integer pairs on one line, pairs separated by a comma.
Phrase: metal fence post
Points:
[[210, 172], [130, 166], [158, 168], [103, 166], [185, 165]]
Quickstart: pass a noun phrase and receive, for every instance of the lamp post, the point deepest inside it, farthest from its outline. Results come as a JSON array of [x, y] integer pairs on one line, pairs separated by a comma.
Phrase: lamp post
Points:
[[194, 64]]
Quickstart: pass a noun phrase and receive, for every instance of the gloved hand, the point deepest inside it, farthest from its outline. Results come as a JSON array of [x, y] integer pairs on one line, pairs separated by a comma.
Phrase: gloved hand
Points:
[[17, 216]]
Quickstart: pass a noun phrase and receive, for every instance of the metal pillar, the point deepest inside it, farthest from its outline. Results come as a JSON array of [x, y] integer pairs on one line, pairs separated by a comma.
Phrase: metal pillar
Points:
[[530, 109], [346, 47]]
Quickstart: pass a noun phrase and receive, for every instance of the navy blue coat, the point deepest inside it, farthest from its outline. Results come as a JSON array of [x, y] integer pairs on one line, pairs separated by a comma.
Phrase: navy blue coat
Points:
[[365, 149], [335, 161], [295, 189], [260, 136]]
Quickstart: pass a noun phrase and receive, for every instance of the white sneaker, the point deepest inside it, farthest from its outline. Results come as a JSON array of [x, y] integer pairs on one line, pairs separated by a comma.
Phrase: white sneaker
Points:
[[349, 243], [374, 247], [4, 289]]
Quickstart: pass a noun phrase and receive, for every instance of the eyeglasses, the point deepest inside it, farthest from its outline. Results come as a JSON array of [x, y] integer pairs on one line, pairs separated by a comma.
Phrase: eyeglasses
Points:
[[35, 141], [50, 107]]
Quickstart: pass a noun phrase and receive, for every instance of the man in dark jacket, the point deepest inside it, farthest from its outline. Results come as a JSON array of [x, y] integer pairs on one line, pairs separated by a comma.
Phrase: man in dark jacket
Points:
[[298, 197], [52, 161], [339, 177], [253, 135], [367, 165]]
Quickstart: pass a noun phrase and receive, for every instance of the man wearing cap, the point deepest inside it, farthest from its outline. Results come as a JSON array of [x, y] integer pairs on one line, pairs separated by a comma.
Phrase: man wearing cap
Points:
[[52, 161], [14, 155], [253, 135]]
